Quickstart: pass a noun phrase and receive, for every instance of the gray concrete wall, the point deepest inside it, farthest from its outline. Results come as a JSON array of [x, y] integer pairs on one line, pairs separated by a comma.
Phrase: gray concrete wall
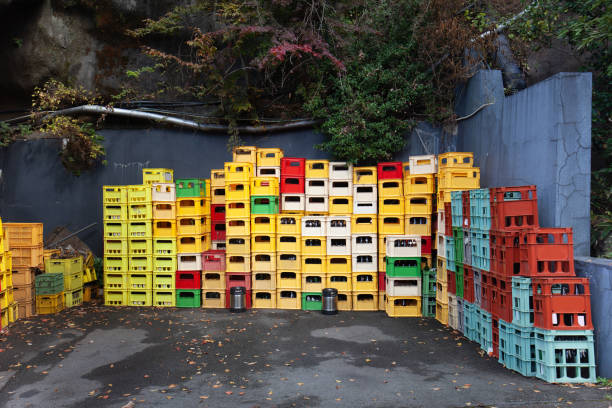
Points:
[[599, 272], [541, 136]]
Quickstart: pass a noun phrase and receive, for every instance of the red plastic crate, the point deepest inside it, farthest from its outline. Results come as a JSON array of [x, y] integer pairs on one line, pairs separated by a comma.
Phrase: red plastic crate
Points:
[[562, 303], [486, 290], [213, 261], [217, 212], [514, 207], [390, 170], [247, 299], [451, 282], [501, 297], [233, 279], [292, 185], [382, 281], [505, 253], [188, 279], [218, 231], [448, 225], [547, 252], [468, 283], [293, 166], [465, 204], [495, 324], [425, 245]]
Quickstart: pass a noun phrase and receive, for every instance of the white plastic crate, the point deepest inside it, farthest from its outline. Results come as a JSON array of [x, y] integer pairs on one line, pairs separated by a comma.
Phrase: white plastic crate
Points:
[[425, 164], [189, 262], [365, 207], [364, 244], [338, 225], [340, 188], [365, 192], [441, 221], [268, 171], [317, 186], [163, 192], [339, 245], [218, 245], [293, 202], [403, 245], [441, 245], [317, 203], [340, 171], [314, 226], [403, 286], [365, 262]]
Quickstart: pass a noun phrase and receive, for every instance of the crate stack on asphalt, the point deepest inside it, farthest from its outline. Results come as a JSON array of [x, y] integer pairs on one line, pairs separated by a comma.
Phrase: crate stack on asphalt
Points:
[[213, 260], [265, 239], [25, 242], [71, 269], [239, 205], [163, 251], [8, 306], [403, 277], [49, 292], [115, 269], [419, 198]]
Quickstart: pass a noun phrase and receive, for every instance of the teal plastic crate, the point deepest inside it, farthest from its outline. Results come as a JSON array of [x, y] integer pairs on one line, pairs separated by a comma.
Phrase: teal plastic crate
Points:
[[485, 330], [565, 356], [190, 188], [449, 245], [522, 301], [428, 284], [456, 209], [523, 350], [188, 298], [403, 267], [480, 209], [428, 305], [312, 301], [49, 283], [264, 204], [460, 315], [459, 280], [505, 344], [469, 324], [481, 249]]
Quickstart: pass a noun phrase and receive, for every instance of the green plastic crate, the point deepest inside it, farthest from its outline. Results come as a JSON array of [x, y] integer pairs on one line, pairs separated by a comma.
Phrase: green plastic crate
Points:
[[261, 204], [49, 283], [428, 304], [429, 283], [312, 301], [188, 298], [459, 280], [190, 188], [404, 267]]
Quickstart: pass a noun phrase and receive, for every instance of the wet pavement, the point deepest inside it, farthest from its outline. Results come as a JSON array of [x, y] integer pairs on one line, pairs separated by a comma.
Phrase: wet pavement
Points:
[[147, 357]]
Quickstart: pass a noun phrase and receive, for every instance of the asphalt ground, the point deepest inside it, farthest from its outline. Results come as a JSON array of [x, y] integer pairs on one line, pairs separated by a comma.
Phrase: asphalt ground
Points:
[[95, 356]]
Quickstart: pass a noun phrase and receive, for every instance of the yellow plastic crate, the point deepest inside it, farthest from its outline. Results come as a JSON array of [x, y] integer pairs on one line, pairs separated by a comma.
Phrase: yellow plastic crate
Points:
[[217, 178], [164, 210], [66, 266], [263, 223], [455, 159], [365, 301], [390, 188], [116, 213], [213, 280], [419, 204], [365, 175], [314, 264], [314, 246], [269, 157], [417, 225], [191, 207], [213, 299], [150, 176], [265, 186], [115, 298], [237, 209], [73, 281], [218, 195], [391, 206], [115, 230], [140, 263], [140, 211], [164, 298], [236, 171], [288, 280], [164, 246], [73, 298], [406, 169], [341, 205], [288, 299], [382, 263], [237, 226], [442, 312], [4, 300], [339, 281], [364, 224], [115, 246], [459, 178], [115, 281], [237, 191], [263, 280], [140, 298], [164, 228], [114, 195], [13, 312], [163, 281], [364, 281], [289, 243], [139, 194], [140, 229], [313, 282], [117, 264], [345, 301], [192, 225], [263, 262], [49, 304], [165, 264], [140, 281], [391, 225], [244, 154], [263, 299], [289, 224], [382, 300], [419, 184], [140, 247], [288, 261], [317, 169], [263, 242], [193, 243], [238, 263], [238, 245], [338, 264]]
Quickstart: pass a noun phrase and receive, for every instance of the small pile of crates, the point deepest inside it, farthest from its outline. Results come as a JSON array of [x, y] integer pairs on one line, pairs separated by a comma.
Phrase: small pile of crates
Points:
[[50, 292], [403, 278], [72, 290]]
